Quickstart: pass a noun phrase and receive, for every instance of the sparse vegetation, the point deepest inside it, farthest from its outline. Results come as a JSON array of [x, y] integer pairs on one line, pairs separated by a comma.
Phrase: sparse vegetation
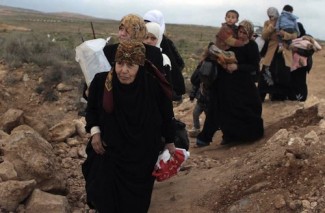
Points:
[[53, 42]]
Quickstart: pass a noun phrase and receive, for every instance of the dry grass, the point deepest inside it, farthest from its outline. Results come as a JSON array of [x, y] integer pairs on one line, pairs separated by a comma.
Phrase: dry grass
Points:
[[69, 29]]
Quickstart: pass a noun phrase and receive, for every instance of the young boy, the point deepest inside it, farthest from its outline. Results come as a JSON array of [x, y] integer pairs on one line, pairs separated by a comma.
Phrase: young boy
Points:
[[226, 38], [288, 23], [200, 93]]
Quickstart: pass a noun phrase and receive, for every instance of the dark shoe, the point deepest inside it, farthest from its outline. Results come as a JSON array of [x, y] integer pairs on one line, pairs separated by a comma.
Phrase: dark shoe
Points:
[[200, 143]]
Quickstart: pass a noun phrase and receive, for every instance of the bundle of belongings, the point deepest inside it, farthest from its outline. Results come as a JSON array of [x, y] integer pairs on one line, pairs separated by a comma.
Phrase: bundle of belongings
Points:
[[167, 165], [223, 57], [302, 48], [92, 59]]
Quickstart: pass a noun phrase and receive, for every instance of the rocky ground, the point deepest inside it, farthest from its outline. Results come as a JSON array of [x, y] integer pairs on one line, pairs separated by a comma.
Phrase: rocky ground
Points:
[[282, 172]]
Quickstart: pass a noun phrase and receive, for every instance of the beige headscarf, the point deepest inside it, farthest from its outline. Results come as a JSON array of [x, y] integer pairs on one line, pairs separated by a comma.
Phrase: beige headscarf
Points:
[[135, 26], [248, 27]]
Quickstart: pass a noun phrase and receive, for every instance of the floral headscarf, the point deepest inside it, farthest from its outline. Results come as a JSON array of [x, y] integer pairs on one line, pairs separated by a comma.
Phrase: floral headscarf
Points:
[[135, 26], [131, 52]]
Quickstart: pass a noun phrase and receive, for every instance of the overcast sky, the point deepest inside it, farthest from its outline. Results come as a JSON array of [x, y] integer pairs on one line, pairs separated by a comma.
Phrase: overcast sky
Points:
[[200, 12]]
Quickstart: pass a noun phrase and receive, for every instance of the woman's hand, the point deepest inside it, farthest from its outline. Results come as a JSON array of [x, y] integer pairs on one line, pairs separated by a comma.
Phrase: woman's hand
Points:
[[97, 144], [171, 148], [232, 67]]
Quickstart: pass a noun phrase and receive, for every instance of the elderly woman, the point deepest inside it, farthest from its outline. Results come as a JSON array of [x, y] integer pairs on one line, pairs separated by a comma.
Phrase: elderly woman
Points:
[[275, 75], [235, 106], [129, 110]]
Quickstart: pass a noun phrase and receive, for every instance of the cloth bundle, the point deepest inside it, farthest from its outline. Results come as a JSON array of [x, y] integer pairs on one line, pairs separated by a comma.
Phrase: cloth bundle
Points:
[[167, 165]]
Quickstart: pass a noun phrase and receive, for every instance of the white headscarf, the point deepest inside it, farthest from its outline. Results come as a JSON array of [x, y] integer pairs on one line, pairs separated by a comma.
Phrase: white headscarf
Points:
[[157, 17], [154, 29], [272, 11]]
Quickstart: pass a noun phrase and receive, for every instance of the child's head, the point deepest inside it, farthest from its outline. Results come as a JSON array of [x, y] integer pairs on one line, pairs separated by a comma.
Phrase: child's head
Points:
[[288, 8], [231, 17]]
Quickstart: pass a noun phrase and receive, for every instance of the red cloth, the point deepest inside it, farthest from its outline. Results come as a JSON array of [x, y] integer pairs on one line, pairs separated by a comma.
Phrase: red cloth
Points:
[[170, 167]]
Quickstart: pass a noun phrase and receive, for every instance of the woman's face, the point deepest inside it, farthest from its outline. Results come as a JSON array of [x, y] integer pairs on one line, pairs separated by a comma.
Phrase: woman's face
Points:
[[123, 34], [150, 39], [242, 34], [125, 72]]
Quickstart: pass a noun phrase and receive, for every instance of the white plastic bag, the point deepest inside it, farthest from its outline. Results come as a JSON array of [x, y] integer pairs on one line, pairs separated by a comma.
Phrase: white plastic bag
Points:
[[91, 58]]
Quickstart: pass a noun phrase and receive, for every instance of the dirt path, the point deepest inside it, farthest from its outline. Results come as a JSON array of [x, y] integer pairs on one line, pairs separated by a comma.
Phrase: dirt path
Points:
[[210, 172]]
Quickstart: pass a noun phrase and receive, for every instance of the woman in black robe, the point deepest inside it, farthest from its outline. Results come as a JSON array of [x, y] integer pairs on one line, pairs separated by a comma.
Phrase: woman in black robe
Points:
[[235, 106], [275, 76], [127, 119], [299, 75]]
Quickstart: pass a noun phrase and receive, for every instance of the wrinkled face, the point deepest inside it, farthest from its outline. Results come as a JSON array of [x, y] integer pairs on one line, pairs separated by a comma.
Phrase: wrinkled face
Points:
[[150, 39], [123, 34], [126, 72], [231, 18]]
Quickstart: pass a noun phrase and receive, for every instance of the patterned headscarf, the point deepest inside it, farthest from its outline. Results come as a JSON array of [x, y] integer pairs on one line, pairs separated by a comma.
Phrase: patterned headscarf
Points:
[[131, 52], [248, 27], [135, 26]]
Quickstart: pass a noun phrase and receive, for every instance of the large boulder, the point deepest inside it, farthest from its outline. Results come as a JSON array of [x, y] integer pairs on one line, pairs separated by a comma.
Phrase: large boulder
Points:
[[41, 201], [13, 192], [11, 119], [33, 158]]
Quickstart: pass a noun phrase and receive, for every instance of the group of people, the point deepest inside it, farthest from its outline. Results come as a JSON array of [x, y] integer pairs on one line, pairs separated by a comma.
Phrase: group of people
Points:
[[286, 61], [129, 112], [233, 102]]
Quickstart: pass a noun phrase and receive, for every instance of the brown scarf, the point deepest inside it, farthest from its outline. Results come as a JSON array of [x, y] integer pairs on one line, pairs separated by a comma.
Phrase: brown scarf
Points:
[[166, 87]]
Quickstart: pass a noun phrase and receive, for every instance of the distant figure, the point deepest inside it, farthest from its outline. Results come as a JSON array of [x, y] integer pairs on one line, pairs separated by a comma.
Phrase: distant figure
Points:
[[153, 38], [234, 105], [288, 23], [274, 78], [303, 50], [168, 47], [200, 93], [226, 38]]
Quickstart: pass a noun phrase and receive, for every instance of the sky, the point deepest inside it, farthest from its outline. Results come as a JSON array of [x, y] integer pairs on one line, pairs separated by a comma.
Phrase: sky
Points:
[[198, 12]]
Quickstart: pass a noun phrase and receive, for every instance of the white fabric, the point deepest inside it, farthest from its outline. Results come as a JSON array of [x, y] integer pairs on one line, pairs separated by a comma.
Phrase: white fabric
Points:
[[166, 61], [260, 42], [94, 130], [91, 58], [157, 17]]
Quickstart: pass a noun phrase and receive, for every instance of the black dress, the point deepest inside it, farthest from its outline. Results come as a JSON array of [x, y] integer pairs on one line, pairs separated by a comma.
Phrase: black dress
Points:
[[275, 79], [235, 106], [177, 63], [120, 181]]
